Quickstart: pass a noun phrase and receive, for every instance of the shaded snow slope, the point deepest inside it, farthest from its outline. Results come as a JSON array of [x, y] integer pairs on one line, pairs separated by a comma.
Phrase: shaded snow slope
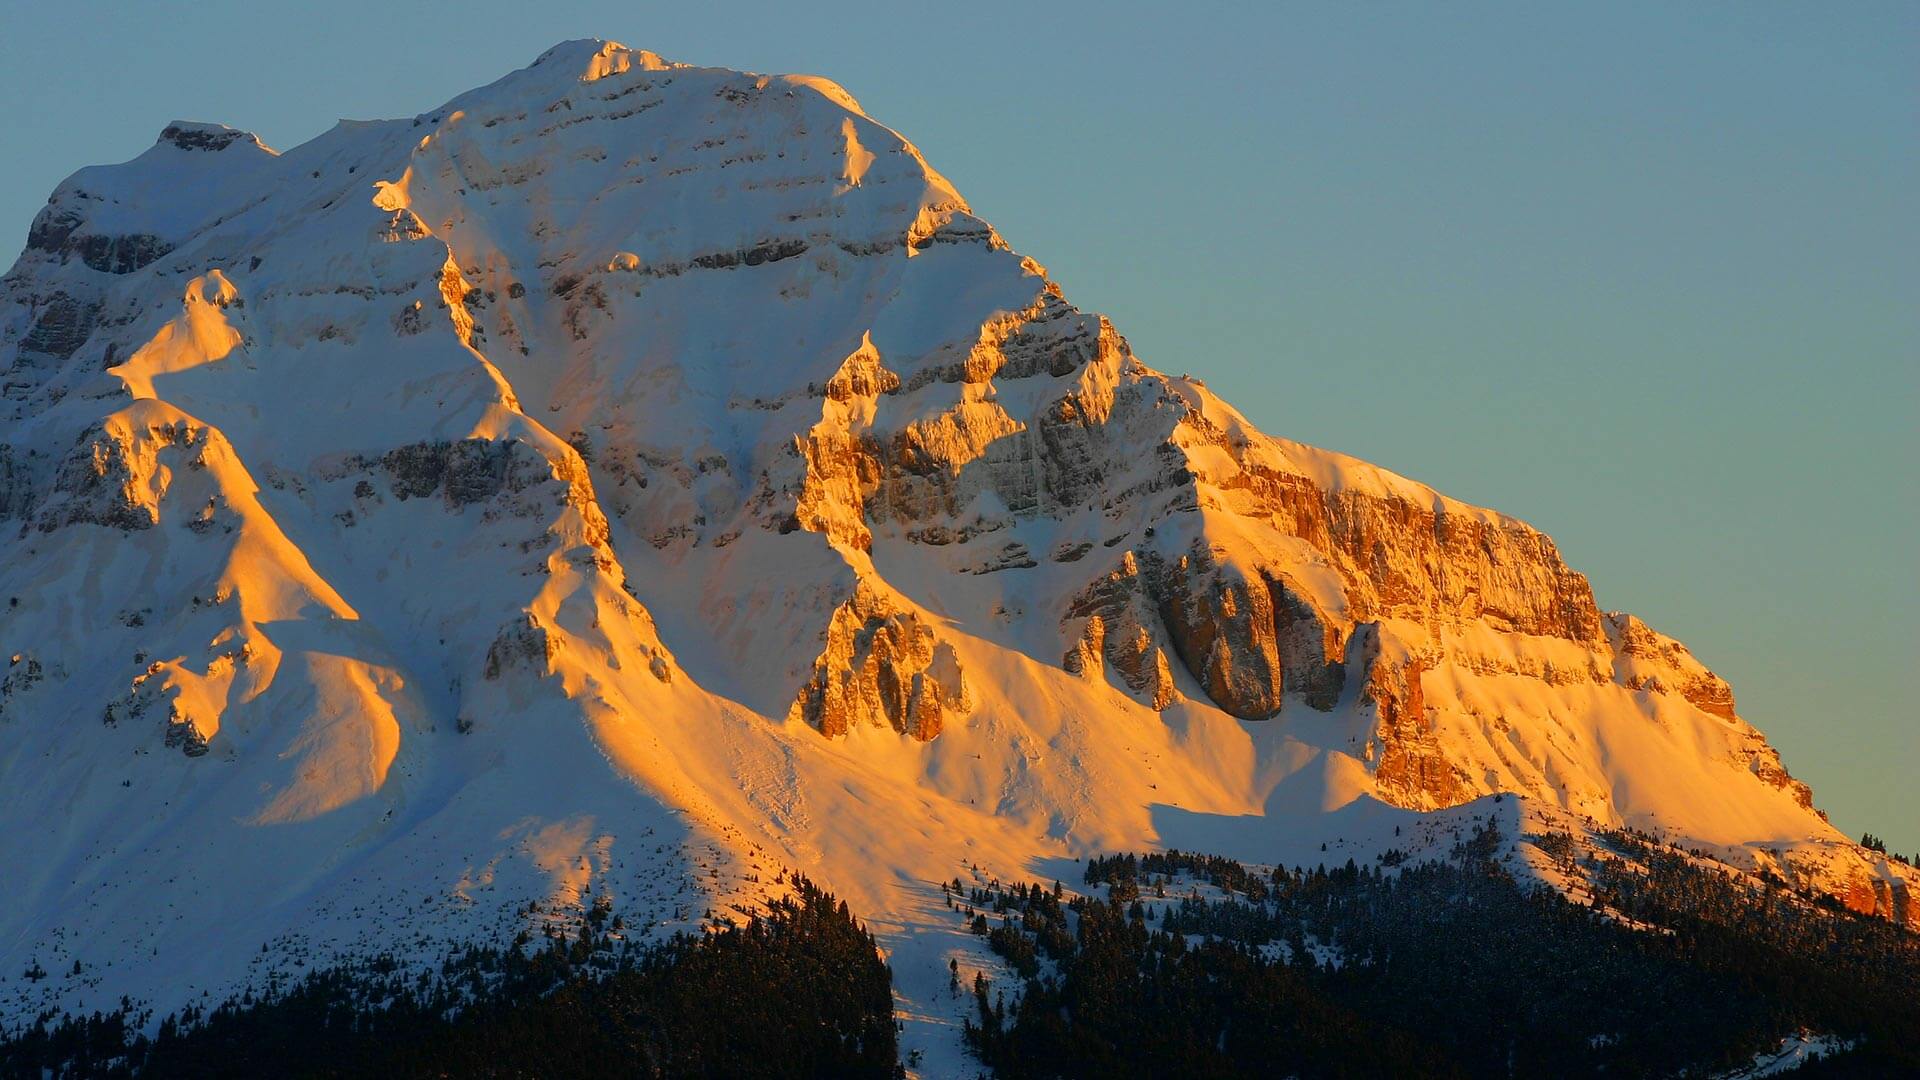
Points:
[[630, 478]]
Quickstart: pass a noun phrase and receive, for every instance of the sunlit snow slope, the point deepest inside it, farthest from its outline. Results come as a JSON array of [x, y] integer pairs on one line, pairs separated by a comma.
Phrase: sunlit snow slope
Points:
[[633, 478]]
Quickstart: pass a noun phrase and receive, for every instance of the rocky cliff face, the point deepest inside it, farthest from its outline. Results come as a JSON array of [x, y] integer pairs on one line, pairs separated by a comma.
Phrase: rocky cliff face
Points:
[[1118, 623], [882, 665], [630, 466]]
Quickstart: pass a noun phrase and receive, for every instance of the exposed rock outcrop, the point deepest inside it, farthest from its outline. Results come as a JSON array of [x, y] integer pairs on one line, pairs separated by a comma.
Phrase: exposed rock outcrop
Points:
[[62, 322], [1397, 558], [1409, 766], [524, 644], [1247, 639], [1646, 660], [1222, 625], [61, 231], [209, 138], [509, 471], [1119, 438], [23, 673], [1312, 645], [1649, 660], [1764, 761], [184, 734], [164, 688], [16, 484], [1118, 624], [885, 666], [113, 474]]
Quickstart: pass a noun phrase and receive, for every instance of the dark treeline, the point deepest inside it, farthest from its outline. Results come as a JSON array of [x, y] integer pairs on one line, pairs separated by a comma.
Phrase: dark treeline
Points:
[[1441, 968], [1874, 843], [799, 992]]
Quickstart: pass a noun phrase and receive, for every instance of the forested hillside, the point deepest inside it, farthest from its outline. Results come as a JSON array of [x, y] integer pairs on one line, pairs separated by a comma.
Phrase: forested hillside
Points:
[[800, 992], [1203, 966]]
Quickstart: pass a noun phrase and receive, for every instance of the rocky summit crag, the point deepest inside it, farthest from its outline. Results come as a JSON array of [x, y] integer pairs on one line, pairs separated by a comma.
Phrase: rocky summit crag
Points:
[[629, 479]]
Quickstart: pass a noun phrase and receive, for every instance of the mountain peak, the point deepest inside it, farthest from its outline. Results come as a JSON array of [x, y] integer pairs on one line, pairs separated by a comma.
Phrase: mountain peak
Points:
[[597, 58], [198, 136], [630, 479]]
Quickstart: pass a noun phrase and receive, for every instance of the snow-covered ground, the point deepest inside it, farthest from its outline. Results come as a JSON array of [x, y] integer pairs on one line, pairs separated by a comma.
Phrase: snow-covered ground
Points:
[[1800, 1048]]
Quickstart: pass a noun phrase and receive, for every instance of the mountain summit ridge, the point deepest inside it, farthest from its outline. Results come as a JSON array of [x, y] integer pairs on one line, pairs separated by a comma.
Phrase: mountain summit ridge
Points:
[[630, 478]]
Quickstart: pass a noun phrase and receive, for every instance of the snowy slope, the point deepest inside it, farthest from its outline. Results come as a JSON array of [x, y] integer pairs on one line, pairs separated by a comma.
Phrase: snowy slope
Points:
[[633, 477]]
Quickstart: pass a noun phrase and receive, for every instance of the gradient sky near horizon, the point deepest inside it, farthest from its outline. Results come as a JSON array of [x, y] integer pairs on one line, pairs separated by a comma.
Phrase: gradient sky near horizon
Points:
[[1645, 275]]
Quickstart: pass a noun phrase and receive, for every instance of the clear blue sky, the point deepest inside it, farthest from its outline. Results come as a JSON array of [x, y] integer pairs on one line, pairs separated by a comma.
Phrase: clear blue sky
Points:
[[1647, 276]]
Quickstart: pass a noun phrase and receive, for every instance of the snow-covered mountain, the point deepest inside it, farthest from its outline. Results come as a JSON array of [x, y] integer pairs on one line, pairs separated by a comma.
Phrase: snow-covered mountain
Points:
[[631, 479]]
